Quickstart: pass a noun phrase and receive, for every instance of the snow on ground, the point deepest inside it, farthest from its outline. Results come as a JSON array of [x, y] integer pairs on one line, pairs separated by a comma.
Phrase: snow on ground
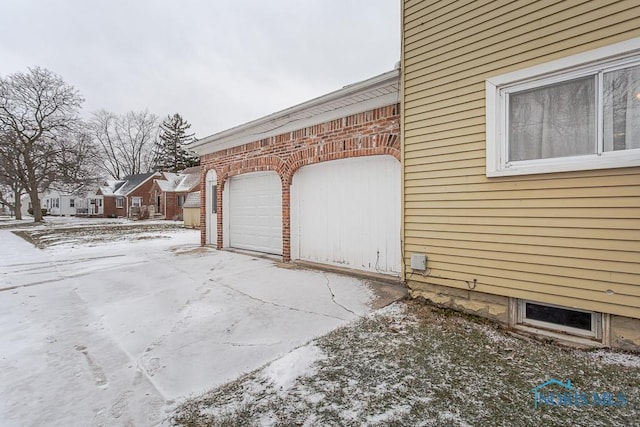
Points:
[[112, 330], [283, 372], [623, 359]]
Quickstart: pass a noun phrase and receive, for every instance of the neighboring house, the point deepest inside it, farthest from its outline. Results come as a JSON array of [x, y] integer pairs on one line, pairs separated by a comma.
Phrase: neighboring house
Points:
[[191, 210], [59, 203], [94, 203], [521, 155], [129, 197], [10, 198], [318, 182], [169, 192], [104, 203]]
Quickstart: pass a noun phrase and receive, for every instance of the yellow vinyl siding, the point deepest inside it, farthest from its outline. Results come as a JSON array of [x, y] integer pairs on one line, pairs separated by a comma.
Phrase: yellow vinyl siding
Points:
[[566, 238]]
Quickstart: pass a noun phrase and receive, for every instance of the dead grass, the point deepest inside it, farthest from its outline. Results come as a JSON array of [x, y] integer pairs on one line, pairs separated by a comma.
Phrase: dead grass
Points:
[[420, 365], [44, 237]]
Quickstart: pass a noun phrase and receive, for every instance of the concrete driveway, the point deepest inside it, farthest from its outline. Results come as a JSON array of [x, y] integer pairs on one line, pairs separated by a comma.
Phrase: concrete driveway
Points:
[[106, 331]]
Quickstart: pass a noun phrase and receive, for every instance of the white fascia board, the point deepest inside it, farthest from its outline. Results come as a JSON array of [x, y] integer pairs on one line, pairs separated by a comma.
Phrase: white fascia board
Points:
[[238, 135]]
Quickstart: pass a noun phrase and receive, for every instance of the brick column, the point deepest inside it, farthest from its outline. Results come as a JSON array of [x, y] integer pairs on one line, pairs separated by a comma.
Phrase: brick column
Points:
[[286, 221], [219, 212], [203, 206]]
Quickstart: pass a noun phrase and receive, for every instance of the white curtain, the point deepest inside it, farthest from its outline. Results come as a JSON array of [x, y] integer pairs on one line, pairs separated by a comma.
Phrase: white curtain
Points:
[[622, 109], [553, 121]]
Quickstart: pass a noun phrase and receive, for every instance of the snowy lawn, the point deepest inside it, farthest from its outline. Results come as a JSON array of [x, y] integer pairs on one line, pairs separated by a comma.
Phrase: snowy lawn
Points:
[[411, 364], [108, 322]]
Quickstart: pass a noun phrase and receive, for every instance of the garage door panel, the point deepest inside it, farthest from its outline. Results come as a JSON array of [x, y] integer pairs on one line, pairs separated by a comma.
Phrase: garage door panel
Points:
[[255, 212], [347, 212]]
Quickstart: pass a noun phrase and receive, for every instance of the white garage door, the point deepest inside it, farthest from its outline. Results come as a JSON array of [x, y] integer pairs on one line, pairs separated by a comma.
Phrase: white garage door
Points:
[[255, 212], [347, 212]]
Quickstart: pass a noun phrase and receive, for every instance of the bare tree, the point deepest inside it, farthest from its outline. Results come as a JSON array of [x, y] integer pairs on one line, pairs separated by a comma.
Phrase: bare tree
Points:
[[79, 168], [9, 183], [125, 142], [41, 110]]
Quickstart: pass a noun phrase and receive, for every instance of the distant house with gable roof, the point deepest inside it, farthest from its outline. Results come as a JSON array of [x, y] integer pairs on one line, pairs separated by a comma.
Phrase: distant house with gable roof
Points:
[[170, 192], [159, 195], [128, 197]]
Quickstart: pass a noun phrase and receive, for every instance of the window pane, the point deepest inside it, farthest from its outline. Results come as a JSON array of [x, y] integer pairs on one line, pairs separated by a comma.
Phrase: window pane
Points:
[[553, 121], [622, 109], [559, 316]]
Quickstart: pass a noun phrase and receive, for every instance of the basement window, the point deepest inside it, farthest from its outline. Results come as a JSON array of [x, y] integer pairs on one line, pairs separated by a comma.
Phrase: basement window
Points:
[[563, 319]]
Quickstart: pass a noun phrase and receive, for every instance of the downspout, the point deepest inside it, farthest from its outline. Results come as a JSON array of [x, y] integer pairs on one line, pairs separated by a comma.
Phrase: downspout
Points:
[[402, 165]]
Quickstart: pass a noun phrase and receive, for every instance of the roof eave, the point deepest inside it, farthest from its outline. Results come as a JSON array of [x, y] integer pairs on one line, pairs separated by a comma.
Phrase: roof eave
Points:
[[209, 144]]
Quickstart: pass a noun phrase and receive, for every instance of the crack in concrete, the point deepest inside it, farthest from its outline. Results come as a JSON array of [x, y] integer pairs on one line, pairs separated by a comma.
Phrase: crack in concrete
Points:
[[236, 344], [333, 296], [59, 263], [281, 305], [69, 276]]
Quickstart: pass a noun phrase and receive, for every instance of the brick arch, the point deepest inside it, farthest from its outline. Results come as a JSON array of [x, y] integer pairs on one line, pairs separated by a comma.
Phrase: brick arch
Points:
[[253, 164], [358, 146]]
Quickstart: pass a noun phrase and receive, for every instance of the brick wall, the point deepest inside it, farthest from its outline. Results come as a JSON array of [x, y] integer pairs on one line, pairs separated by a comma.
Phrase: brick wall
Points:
[[109, 207], [143, 191], [373, 132], [172, 206]]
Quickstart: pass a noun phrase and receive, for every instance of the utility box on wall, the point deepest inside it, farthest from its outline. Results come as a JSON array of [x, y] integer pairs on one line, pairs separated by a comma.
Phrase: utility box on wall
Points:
[[419, 262]]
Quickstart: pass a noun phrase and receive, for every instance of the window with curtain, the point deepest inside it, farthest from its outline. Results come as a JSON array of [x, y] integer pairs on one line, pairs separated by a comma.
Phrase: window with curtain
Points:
[[563, 118], [553, 121]]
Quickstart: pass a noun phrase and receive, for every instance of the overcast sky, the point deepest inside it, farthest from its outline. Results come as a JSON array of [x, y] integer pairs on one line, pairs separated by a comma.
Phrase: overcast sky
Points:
[[219, 63]]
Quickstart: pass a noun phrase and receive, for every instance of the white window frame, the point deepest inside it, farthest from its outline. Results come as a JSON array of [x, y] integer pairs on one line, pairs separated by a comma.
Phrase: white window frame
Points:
[[596, 321], [119, 202], [497, 89], [134, 200]]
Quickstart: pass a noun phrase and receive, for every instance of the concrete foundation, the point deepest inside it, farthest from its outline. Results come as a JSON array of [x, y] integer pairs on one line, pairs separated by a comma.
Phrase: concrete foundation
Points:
[[620, 332]]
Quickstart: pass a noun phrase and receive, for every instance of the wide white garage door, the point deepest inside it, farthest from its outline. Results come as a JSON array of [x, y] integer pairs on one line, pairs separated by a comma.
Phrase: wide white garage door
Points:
[[347, 213], [255, 212]]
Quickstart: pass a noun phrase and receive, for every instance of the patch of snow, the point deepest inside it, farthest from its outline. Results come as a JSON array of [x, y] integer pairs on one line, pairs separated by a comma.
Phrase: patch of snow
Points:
[[394, 310], [496, 336], [613, 358], [455, 418], [283, 372], [391, 414]]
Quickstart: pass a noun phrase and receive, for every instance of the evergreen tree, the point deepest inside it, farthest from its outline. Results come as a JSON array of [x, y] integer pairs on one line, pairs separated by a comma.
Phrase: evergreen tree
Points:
[[171, 154]]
